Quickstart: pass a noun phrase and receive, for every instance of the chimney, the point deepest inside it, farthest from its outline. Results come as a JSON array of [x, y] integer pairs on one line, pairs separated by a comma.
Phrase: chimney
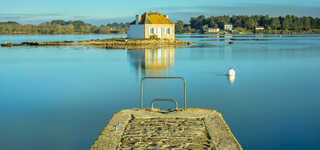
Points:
[[138, 18]]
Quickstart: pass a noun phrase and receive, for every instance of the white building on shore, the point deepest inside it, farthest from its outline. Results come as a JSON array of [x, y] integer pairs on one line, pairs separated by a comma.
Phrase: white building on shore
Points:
[[228, 27], [211, 30], [151, 23]]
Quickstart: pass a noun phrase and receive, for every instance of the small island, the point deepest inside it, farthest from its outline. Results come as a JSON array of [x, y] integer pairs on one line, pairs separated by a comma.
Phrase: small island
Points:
[[121, 43]]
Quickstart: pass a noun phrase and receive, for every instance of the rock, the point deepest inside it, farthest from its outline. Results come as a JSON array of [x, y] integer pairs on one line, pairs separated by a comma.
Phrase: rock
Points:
[[7, 44]]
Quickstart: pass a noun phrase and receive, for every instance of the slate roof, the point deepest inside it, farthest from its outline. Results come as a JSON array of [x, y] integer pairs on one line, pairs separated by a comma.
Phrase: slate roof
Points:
[[153, 18]]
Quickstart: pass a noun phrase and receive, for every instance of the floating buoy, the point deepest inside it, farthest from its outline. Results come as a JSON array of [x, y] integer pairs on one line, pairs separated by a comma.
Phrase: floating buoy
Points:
[[231, 75], [231, 72]]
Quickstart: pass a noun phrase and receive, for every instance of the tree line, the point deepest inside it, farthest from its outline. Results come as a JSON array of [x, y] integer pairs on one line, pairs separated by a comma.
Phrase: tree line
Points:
[[62, 27], [281, 24], [241, 24]]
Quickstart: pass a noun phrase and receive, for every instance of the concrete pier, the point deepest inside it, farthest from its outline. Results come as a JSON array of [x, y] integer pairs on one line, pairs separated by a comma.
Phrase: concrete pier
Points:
[[142, 129]]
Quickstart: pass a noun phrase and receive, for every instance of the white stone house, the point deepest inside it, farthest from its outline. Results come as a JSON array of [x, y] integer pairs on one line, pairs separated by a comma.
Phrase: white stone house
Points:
[[151, 23], [211, 30], [228, 27], [259, 28]]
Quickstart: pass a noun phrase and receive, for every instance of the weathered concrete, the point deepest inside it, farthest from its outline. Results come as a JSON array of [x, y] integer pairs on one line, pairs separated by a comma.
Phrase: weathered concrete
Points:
[[108, 43], [142, 129]]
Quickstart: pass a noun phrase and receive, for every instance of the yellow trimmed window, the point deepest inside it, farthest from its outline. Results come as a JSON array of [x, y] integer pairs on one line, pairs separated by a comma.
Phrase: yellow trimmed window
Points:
[[168, 31], [151, 30]]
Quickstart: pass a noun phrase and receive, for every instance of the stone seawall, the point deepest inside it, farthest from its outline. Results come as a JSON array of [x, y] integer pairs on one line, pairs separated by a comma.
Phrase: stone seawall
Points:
[[141, 129]]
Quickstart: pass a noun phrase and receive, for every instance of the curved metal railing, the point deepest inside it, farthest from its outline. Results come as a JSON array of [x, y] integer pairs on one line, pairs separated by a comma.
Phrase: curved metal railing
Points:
[[146, 78], [164, 100]]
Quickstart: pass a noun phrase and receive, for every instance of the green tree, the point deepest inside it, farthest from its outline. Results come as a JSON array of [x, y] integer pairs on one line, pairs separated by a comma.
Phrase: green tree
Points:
[[187, 29], [286, 23], [306, 23], [251, 23], [198, 22], [275, 23], [179, 26]]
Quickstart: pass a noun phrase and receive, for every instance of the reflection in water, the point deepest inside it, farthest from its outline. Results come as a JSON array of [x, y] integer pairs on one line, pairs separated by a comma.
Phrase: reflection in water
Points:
[[227, 52], [231, 78], [152, 61], [227, 38]]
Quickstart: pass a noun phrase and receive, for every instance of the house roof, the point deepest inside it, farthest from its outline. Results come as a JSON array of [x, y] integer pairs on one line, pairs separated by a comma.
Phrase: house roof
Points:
[[153, 18]]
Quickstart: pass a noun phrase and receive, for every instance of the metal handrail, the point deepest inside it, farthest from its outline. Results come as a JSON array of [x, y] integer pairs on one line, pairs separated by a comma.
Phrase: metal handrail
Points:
[[162, 100], [182, 78]]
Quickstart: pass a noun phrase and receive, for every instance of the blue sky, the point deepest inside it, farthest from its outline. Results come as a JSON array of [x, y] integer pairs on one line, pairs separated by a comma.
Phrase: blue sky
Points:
[[106, 11]]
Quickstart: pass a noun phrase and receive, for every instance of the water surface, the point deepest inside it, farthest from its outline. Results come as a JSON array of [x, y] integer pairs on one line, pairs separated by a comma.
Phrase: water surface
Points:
[[62, 97]]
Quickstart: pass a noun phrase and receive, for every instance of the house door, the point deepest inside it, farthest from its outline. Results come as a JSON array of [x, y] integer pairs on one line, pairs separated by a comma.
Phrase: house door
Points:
[[159, 32]]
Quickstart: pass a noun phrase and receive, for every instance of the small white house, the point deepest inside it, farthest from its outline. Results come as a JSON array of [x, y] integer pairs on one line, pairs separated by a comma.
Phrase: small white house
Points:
[[259, 28], [151, 23], [211, 30], [228, 27]]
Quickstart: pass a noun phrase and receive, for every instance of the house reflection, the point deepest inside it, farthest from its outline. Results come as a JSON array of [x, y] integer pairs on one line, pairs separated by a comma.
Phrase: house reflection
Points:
[[152, 61]]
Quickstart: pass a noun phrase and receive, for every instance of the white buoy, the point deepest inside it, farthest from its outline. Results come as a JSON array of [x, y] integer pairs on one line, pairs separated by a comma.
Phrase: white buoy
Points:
[[231, 75], [231, 72]]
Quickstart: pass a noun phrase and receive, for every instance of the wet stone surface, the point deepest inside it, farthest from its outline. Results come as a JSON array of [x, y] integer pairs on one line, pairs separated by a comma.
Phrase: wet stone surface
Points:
[[150, 129], [169, 133]]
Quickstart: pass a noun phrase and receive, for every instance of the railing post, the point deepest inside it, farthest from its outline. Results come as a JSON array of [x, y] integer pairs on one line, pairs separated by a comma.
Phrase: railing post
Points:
[[141, 94], [185, 95]]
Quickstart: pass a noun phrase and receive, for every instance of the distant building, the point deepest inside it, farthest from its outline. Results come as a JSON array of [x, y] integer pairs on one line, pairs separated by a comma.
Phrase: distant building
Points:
[[211, 30], [228, 27], [151, 23], [259, 28]]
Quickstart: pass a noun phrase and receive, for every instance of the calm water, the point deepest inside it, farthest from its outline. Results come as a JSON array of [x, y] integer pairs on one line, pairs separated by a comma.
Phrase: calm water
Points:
[[62, 97]]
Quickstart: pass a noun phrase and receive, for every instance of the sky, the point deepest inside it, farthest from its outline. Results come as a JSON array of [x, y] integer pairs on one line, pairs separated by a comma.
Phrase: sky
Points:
[[106, 11]]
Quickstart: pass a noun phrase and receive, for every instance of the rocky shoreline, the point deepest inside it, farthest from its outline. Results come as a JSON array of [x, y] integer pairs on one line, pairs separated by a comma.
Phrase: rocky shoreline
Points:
[[108, 43]]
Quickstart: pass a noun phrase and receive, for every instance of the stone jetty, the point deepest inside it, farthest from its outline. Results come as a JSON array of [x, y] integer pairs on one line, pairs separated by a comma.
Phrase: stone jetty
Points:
[[109, 43], [144, 129]]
